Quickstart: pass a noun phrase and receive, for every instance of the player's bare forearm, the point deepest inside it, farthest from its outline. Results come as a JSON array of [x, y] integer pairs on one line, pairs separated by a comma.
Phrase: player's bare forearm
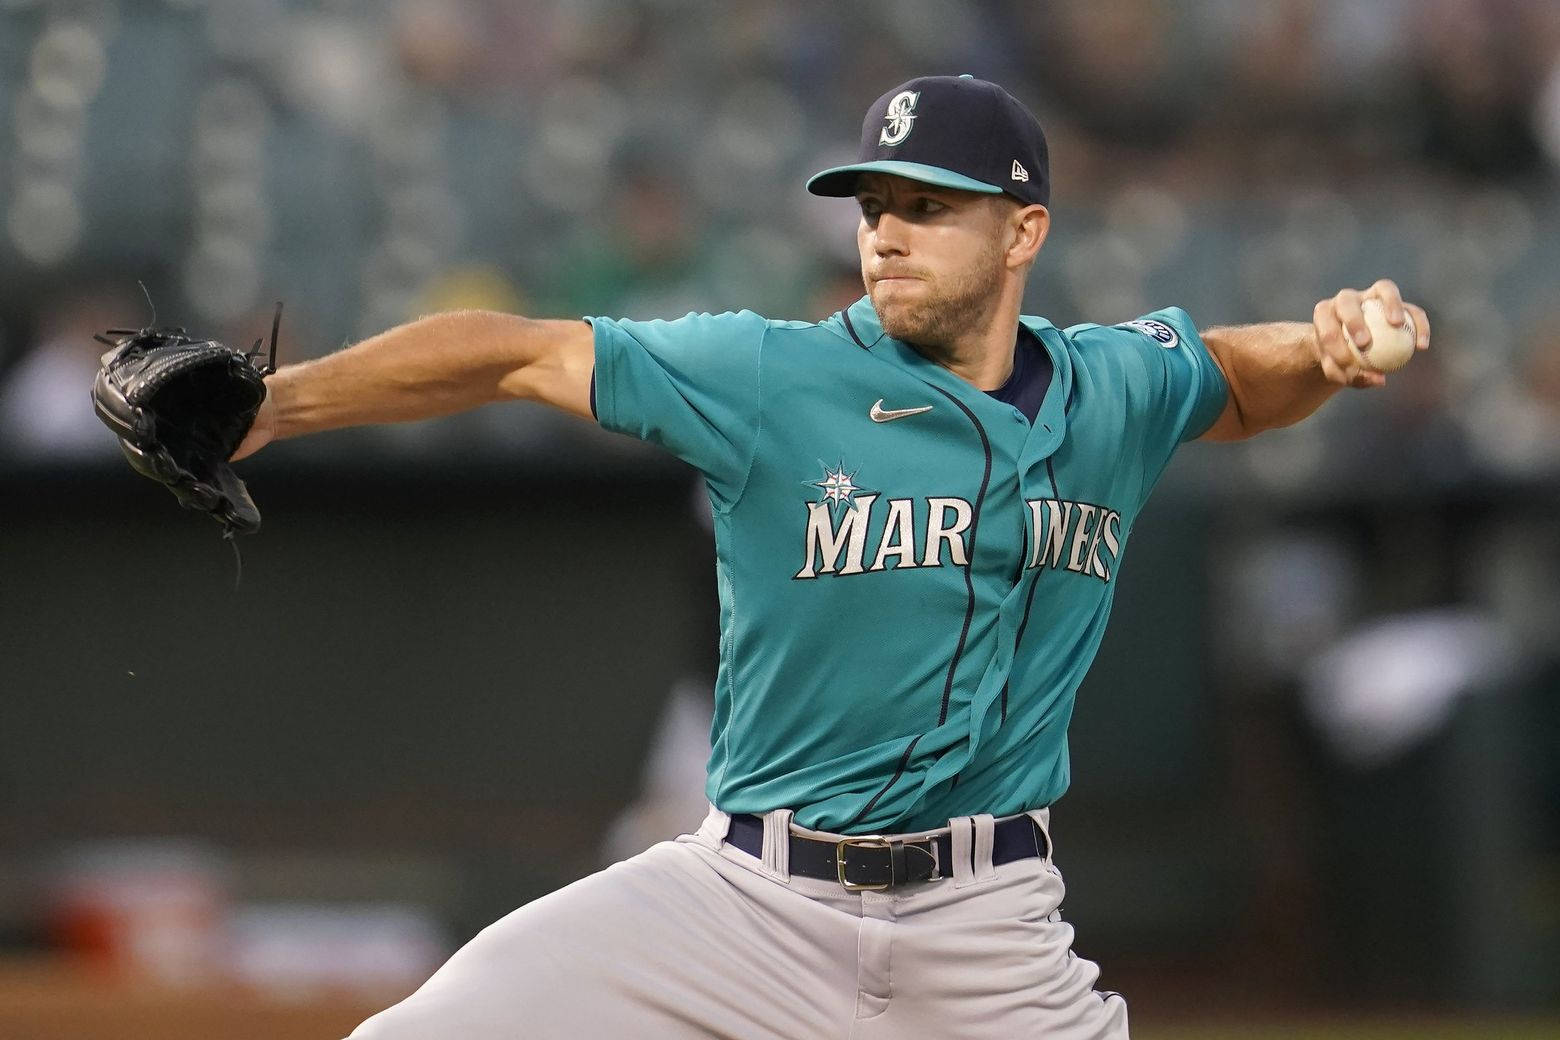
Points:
[[1281, 372], [1273, 375], [434, 366]]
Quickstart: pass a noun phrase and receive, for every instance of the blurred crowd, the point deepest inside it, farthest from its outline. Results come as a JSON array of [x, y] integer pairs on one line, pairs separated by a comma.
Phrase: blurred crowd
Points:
[[368, 162], [190, 162]]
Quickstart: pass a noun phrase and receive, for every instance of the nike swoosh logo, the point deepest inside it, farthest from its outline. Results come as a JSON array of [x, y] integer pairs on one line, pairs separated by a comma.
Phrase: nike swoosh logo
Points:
[[880, 414]]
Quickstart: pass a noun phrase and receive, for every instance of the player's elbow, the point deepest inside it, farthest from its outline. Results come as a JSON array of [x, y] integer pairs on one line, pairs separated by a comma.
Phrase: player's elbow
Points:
[[1238, 420], [1245, 412], [550, 362]]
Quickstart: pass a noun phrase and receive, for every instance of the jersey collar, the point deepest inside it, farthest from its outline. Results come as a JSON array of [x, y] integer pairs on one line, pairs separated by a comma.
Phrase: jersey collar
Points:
[[1050, 425], [859, 323]]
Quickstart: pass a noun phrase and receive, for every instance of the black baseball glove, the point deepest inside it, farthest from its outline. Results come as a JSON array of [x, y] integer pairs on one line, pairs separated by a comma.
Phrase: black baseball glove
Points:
[[180, 407]]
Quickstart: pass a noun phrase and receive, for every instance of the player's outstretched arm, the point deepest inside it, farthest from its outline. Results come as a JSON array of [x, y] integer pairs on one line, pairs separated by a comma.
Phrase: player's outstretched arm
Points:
[[436, 365], [1281, 372]]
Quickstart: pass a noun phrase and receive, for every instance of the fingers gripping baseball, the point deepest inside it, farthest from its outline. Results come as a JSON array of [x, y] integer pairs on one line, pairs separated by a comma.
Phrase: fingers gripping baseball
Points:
[[1343, 333]]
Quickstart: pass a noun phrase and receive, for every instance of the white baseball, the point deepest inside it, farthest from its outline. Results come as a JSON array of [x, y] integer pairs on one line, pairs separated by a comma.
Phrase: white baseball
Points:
[[1390, 345]]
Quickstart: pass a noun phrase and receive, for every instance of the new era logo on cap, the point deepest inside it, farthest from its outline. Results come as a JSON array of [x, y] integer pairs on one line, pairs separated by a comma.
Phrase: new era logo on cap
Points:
[[951, 131]]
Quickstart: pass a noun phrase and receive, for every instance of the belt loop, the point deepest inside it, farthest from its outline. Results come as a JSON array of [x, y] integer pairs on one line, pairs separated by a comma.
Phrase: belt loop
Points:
[[1042, 818], [712, 832], [777, 843], [961, 833], [985, 841]]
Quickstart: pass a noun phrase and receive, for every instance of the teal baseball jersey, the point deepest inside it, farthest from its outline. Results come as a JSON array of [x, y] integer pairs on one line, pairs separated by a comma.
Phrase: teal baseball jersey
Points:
[[913, 576]]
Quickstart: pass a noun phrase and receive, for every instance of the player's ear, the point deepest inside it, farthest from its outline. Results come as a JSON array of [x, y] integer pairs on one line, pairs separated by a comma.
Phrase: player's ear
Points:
[[1028, 226]]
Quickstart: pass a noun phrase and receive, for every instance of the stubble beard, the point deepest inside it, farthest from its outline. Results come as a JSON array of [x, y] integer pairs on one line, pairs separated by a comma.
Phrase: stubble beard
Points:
[[954, 307]]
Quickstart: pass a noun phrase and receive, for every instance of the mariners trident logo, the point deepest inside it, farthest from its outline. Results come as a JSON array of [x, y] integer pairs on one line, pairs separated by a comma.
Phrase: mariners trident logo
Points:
[[900, 119]]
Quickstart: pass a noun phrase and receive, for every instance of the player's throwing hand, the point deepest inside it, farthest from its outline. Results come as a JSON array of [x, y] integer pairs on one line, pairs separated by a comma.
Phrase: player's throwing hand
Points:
[[1341, 331]]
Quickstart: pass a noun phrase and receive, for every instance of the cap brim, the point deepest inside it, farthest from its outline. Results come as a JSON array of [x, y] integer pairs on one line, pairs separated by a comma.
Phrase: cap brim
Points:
[[840, 181]]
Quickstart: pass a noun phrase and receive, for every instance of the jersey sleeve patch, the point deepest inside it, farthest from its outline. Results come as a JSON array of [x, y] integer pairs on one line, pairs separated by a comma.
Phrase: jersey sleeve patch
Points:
[[1170, 388], [1157, 331]]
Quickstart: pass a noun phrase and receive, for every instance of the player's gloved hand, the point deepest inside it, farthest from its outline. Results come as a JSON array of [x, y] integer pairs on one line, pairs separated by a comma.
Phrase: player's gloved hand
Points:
[[1340, 331], [180, 406]]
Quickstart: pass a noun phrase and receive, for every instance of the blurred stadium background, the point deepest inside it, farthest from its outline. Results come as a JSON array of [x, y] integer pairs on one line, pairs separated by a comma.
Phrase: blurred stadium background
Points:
[[1317, 786]]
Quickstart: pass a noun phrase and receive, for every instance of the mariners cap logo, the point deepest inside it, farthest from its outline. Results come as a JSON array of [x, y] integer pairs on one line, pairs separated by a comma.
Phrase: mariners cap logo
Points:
[[900, 119]]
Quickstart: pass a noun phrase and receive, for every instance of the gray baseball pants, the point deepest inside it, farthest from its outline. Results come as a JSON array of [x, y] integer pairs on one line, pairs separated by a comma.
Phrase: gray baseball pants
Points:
[[695, 938]]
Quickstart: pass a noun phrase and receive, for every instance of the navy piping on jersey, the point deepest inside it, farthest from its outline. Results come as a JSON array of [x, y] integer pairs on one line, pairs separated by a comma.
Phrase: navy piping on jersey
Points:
[[845, 314], [969, 559], [1018, 576], [1029, 600], [969, 610], [1024, 389], [899, 771]]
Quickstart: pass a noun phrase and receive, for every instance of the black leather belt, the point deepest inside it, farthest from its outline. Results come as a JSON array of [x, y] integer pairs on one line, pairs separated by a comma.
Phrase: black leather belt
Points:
[[870, 863]]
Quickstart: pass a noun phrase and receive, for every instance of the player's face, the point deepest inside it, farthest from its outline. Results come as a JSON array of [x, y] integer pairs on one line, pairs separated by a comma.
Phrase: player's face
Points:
[[931, 258]]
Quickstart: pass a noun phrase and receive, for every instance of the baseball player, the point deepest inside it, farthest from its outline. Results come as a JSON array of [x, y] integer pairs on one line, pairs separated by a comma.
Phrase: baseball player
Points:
[[922, 504]]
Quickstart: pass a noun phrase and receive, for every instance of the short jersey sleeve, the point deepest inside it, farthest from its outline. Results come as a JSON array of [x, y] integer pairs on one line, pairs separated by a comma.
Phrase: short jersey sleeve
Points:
[[689, 385], [1173, 388]]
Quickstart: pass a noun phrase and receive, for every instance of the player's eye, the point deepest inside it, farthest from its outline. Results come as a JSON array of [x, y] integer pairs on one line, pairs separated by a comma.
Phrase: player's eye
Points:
[[870, 207], [928, 205]]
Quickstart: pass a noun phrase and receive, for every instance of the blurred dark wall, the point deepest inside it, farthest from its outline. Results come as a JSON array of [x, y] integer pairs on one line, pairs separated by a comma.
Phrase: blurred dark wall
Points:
[[406, 659], [467, 667]]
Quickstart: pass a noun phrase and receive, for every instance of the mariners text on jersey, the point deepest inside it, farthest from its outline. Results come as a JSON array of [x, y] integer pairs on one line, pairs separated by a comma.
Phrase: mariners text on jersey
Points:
[[1080, 536], [913, 575]]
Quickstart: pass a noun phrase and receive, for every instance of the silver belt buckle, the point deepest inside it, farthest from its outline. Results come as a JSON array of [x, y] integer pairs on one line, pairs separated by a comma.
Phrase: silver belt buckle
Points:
[[867, 841]]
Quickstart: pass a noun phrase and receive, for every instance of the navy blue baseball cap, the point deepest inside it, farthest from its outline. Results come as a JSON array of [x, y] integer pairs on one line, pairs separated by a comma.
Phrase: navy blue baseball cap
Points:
[[951, 131]]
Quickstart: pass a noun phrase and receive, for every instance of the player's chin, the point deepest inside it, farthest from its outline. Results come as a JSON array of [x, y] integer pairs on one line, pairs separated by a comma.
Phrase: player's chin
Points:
[[904, 324], [897, 300]]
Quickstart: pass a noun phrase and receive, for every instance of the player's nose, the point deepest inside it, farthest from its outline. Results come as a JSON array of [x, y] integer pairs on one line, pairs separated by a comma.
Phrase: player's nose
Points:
[[889, 236]]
